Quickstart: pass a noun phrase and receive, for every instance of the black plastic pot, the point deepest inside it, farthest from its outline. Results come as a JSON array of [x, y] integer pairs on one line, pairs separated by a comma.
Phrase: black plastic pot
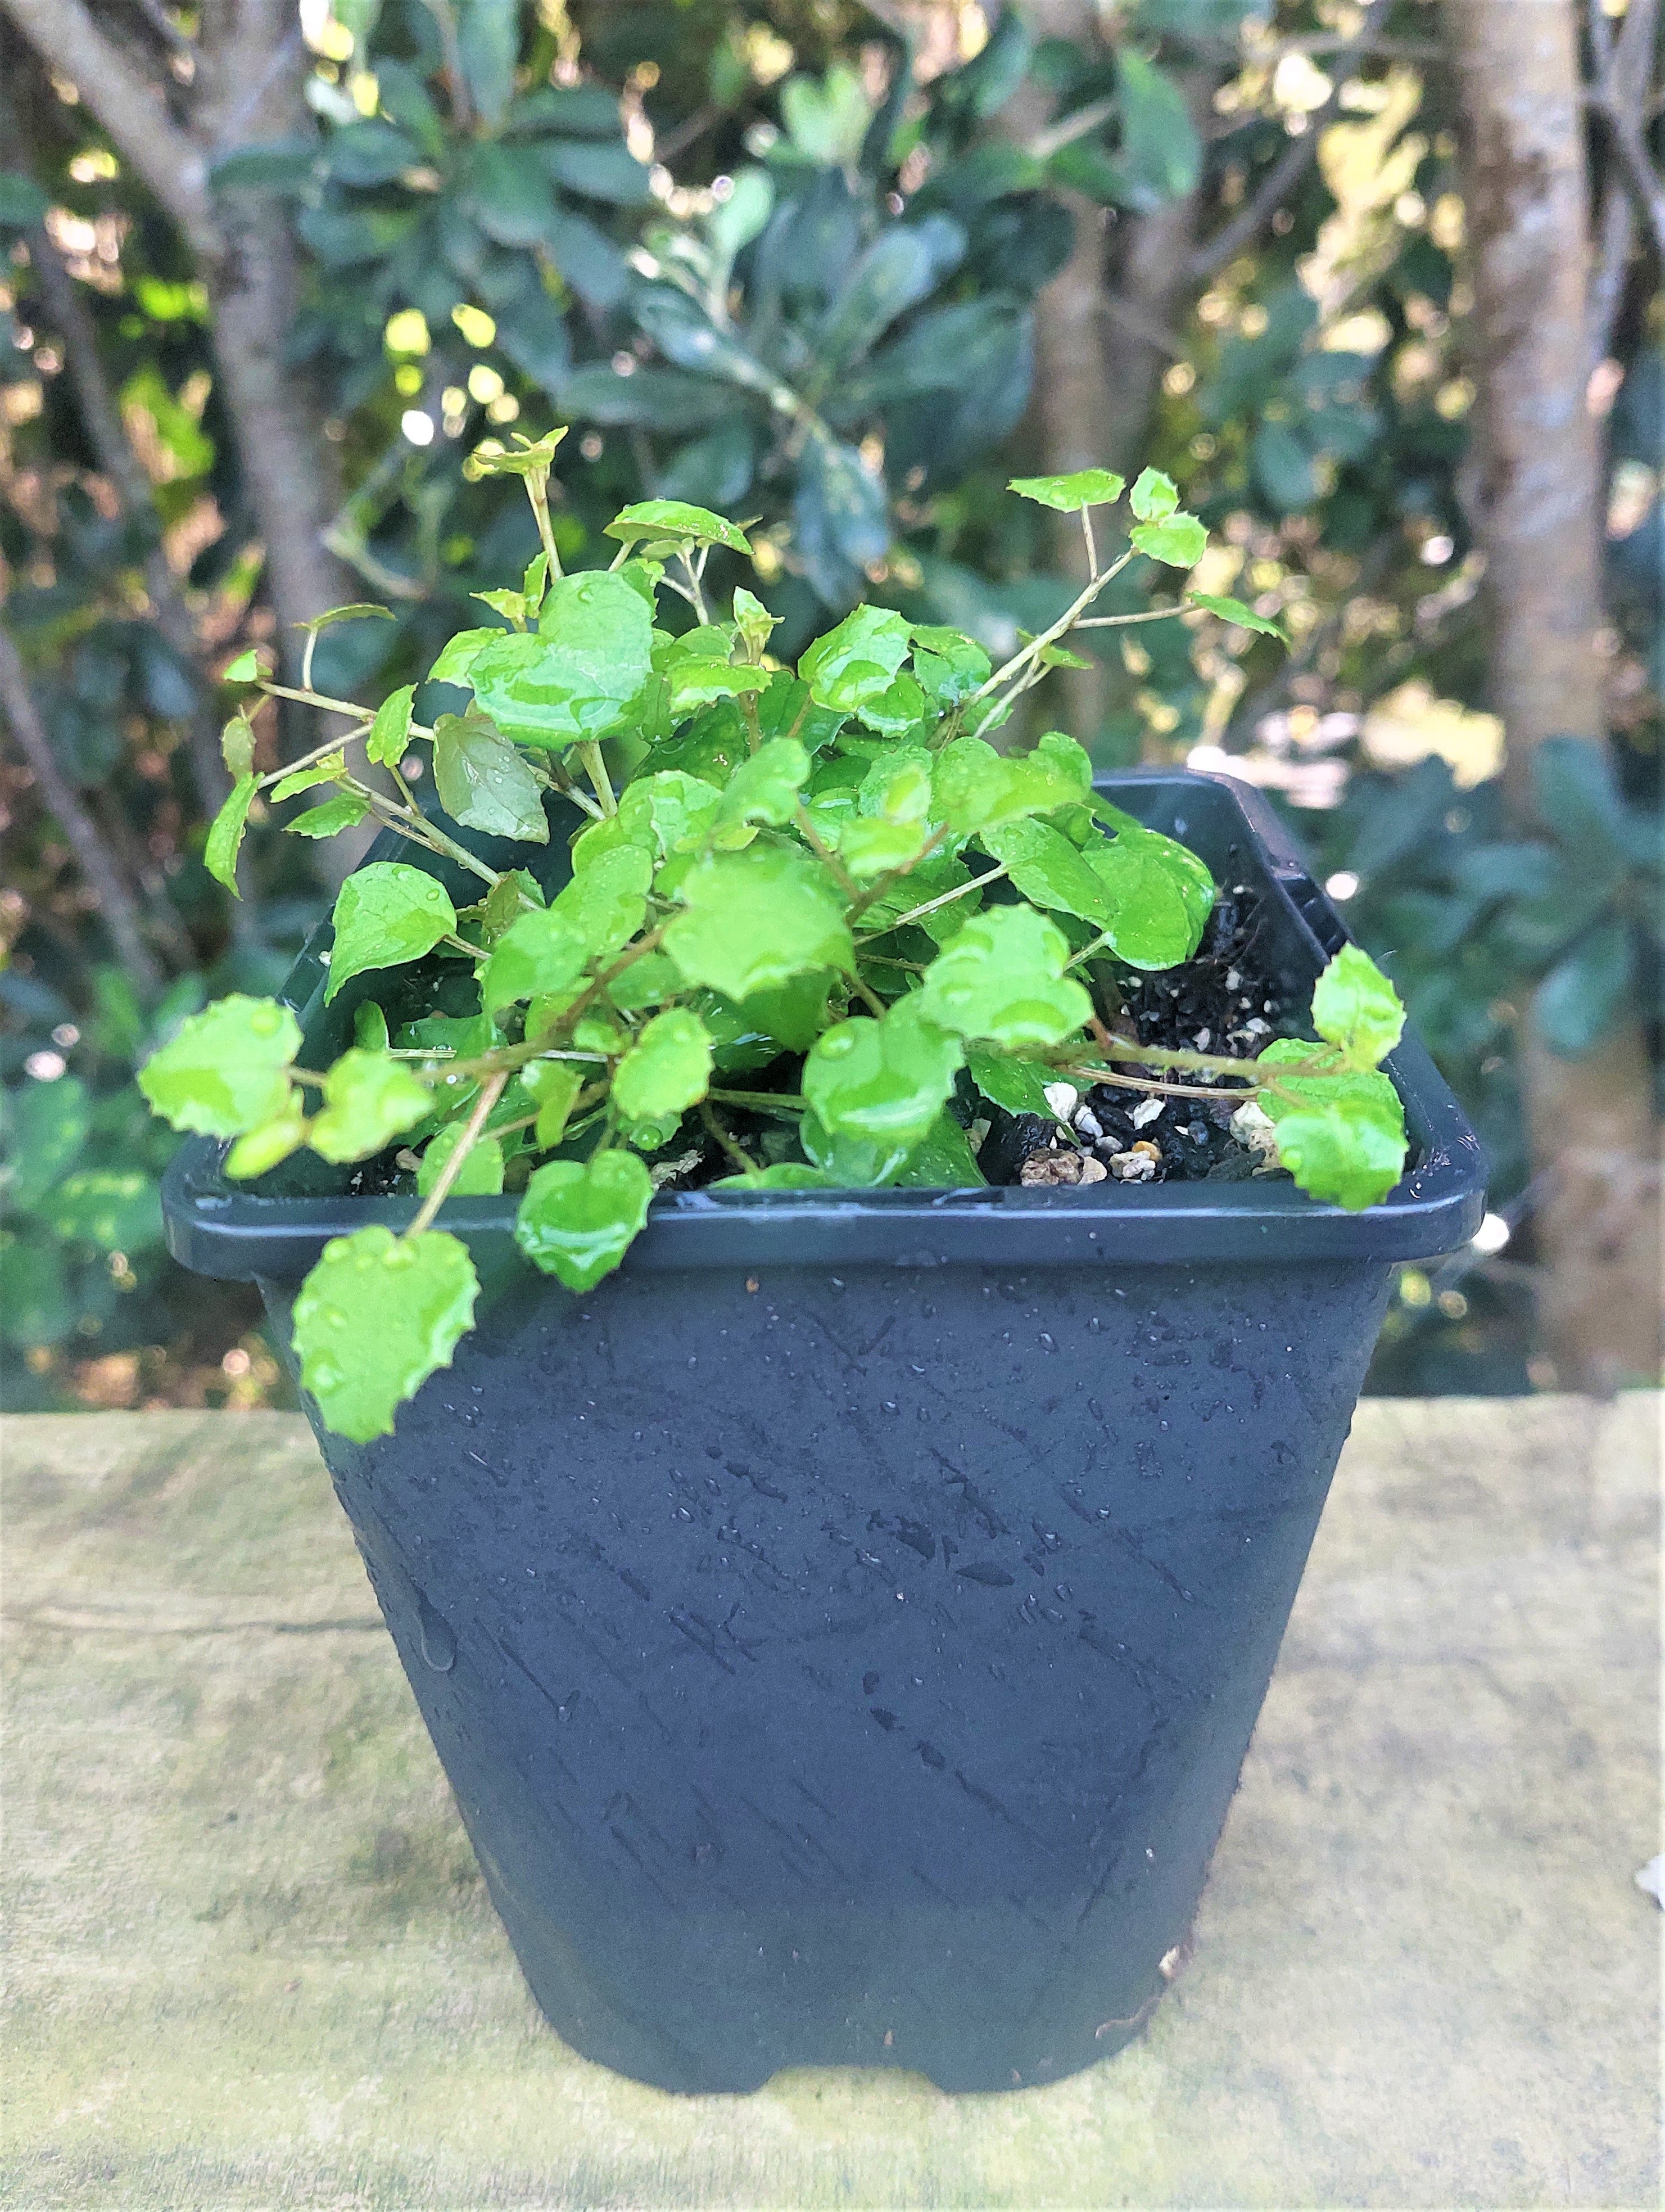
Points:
[[843, 1628]]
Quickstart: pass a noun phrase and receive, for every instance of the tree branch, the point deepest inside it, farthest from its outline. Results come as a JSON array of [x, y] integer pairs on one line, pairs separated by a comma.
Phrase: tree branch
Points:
[[1619, 96], [1286, 173], [131, 106], [97, 867]]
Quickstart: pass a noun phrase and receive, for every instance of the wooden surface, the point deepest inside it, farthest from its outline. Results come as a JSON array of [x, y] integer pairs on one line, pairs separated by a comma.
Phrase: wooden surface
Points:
[[254, 1965]]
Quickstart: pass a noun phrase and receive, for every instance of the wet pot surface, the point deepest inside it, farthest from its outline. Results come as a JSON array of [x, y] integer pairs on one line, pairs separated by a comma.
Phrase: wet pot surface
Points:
[[858, 1668]]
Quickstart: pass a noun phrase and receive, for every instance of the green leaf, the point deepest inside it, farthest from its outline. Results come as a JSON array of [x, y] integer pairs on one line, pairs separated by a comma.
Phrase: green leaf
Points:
[[356, 612], [1582, 996], [1161, 154], [1154, 497], [1233, 610], [1003, 978], [459, 656], [857, 661], [578, 1219], [852, 1163], [900, 708], [118, 1210], [483, 782], [335, 814], [236, 746], [554, 1085], [368, 1099], [941, 1160], [1160, 895], [386, 914], [226, 1070], [870, 847], [306, 779], [574, 678], [538, 953], [669, 812], [784, 1175], [886, 1079], [1355, 1007], [977, 788], [1342, 1135], [765, 786], [390, 733], [261, 1147], [752, 920], [1068, 495], [673, 522], [245, 669], [667, 1070], [1179, 541], [1019, 1085], [480, 1174], [225, 836], [753, 621], [47, 1125], [35, 1306], [375, 1318], [606, 900], [1047, 869], [947, 665]]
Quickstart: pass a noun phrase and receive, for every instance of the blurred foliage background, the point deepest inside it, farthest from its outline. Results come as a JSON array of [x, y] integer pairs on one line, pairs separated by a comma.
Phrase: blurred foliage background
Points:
[[837, 271]]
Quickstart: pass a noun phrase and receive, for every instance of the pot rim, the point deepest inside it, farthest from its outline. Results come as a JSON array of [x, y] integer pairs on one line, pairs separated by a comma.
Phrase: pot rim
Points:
[[237, 1236]]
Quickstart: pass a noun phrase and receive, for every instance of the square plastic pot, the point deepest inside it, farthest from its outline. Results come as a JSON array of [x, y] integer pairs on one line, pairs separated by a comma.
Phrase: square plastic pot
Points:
[[843, 1628]]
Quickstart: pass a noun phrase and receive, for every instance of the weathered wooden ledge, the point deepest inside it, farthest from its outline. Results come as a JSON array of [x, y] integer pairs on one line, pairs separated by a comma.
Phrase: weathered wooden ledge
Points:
[[254, 1965]]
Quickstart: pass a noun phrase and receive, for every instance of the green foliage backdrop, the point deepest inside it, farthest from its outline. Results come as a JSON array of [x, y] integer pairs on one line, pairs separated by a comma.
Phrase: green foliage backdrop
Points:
[[784, 264]]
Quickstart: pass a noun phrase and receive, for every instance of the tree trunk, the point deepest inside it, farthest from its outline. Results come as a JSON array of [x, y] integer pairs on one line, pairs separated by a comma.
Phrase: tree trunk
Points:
[[1539, 507], [1072, 408], [253, 69]]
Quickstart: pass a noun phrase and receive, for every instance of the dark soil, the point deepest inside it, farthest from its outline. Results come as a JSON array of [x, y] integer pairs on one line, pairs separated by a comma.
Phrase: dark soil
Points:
[[1221, 1001]]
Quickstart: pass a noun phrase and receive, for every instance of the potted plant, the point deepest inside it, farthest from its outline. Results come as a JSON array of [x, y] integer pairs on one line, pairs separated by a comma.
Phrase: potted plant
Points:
[[831, 1294]]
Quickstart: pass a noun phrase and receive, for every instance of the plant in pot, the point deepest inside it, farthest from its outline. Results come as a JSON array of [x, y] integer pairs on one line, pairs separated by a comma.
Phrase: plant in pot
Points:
[[830, 1289]]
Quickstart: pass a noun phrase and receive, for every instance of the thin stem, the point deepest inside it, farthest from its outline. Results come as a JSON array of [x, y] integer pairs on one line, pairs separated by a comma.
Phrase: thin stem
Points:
[[1325, 1061], [307, 651], [537, 490], [1066, 621], [490, 1093], [947, 898], [1120, 622], [590, 753], [420, 831], [761, 1101], [696, 595], [743, 1160], [1092, 541], [893, 876], [824, 853], [1152, 1085], [875, 1005], [476, 953], [310, 760], [309, 698]]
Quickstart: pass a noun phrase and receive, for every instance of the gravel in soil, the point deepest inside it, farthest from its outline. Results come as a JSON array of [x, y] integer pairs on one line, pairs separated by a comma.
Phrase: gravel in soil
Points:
[[1221, 1001]]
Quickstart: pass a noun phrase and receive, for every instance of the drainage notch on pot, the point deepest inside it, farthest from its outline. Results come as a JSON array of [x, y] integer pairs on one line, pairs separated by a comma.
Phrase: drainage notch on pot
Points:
[[861, 1672]]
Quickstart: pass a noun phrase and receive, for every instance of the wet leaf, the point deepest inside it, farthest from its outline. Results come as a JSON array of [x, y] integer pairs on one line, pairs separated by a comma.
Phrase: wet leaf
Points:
[[1003, 978], [368, 1100], [753, 919], [667, 1070], [483, 782], [226, 1070], [387, 914], [579, 1218], [377, 1316], [1357, 1008], [887, 1078]]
